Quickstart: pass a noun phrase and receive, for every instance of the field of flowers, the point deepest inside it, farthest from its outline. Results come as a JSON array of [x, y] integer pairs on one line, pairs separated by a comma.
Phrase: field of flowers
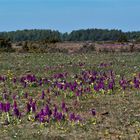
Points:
[[70, 96]]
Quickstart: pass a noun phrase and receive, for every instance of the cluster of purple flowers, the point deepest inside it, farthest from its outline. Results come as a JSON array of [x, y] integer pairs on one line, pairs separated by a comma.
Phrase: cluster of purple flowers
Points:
[[30, 79], [88, 81], [134, 83], [47, 113], [85, 83]]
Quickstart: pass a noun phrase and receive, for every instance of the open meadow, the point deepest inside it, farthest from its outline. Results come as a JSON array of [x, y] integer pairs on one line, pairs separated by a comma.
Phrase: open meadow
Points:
[[55, 96]]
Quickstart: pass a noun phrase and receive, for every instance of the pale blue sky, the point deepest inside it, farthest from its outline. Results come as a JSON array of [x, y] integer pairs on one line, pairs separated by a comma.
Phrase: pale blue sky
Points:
[[66, 15]]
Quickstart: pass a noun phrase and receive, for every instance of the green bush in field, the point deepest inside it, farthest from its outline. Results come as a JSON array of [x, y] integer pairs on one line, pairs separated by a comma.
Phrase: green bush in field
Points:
[[5, 45]]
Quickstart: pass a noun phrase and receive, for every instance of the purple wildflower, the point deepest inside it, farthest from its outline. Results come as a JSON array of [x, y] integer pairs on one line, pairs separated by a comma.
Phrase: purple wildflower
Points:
[[93, 112], [43, 95]]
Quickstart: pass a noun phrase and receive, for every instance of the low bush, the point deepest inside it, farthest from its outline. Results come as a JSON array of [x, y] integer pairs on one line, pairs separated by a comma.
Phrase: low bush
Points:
[[5, 45]]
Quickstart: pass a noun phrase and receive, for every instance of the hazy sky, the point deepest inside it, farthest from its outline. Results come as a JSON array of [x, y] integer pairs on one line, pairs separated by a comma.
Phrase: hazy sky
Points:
[[66, 15]]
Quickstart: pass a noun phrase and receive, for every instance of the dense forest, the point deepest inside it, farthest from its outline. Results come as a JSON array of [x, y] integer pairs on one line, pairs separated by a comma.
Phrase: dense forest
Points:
[[77, 35]]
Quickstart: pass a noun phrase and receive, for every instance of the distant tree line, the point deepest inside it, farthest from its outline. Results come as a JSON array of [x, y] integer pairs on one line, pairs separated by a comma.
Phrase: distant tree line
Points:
[[95, 35], [32, 35], [77, 35], [133, 35]]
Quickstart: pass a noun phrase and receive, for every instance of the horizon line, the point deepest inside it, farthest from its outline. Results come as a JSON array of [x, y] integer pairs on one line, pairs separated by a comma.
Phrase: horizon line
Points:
[[69, 31]]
